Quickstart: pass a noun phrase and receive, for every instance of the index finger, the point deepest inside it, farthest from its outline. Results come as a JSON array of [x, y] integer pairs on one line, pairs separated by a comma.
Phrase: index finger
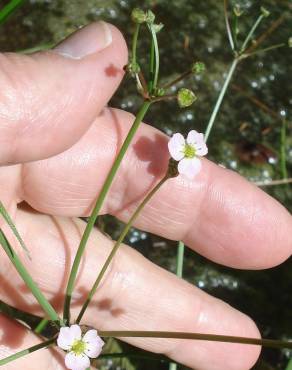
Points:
[[219, 214]]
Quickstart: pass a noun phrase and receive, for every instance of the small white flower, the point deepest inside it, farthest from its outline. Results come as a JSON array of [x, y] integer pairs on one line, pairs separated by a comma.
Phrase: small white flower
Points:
[[80, 348], [186, 152]]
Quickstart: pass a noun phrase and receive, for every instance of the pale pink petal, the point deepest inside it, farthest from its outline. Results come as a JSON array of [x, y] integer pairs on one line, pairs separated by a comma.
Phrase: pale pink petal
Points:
[[189, 167], [65, 338], [176, 146], [195, 138], [93, 342], [76, 362]]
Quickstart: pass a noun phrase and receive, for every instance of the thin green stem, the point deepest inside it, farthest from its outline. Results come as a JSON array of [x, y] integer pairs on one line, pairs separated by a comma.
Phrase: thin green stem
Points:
[[156, 52], [28, 279], [176, 80], [272, 343], [154, 61], [8, 9], [41, 326], [97, 207], [12, 226], [180, 259], [228, 28], [135, 42], [273, 182], [37, 48], [251, 32], [27, 351], [283, 161], [260, 51], [151, 67], [220, 98], [117, 245]]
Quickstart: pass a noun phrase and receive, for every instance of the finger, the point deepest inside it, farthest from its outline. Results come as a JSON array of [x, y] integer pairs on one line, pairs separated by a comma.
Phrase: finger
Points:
[[219, 214], [134, 295], [15, 337], [49, 99]]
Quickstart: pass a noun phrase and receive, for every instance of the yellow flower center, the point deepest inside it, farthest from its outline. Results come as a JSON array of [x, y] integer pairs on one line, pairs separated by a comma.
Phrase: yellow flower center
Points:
[[78, 347], [189, 151]]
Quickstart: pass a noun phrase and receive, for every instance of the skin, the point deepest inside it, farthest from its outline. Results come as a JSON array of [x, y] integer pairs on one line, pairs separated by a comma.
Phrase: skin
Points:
[[58, 142]]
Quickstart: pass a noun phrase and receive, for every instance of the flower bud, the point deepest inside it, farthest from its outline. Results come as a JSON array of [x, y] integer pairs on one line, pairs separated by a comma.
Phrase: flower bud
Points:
[[133, 68], [237, 10], [198, 68], [185, 98], [159, 91], [157, 27], [138, 16], [150, 17], [264, 12]]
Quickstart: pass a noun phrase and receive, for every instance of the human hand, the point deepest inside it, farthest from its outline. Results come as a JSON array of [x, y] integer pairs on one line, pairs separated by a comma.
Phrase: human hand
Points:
[[59, 142]]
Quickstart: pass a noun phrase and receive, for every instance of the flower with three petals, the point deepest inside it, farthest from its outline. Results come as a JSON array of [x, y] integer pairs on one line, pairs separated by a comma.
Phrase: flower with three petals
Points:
[[187, 152], [80, 348]]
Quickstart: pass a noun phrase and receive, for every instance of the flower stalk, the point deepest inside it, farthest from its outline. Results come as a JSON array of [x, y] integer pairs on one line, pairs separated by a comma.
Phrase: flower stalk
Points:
[[97, 207], [117, 245]]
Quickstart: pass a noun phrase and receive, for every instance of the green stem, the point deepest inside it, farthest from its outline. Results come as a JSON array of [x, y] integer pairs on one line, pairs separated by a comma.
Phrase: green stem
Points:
[[273, 47], [9, 9], [117, 245], [151, 68], [251, 32], [272, 343], [289, 366], [156, 52], [135, 42], [283, 161], [220, 98], [97, 207], [273, 182], [228, 29], [176, 80], [12, 226], [41, 326], [28, 279], [27, 351]]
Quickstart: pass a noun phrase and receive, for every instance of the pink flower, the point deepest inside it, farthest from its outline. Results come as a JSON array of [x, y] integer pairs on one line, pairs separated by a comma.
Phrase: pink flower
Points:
[[187, 152], [80, 348]]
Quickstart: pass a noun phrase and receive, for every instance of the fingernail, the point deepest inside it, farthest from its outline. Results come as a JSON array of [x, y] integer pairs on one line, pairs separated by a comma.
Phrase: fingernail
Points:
[[88, 40]]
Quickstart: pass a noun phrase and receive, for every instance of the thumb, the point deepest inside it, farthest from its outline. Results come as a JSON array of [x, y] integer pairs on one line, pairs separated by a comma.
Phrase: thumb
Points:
[[49, 99]]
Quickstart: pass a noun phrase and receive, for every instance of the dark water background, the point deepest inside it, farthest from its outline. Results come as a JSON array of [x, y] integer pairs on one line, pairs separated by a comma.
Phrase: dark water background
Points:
[[195, 30]]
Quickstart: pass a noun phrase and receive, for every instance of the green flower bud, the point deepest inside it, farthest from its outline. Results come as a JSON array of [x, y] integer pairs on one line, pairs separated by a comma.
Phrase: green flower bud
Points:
[[138, 16], [237, 10], [185, 98], [265, 12], [150, 17], [159, 91], [133, 68], [157, 27], [290, 42], [198, 68]]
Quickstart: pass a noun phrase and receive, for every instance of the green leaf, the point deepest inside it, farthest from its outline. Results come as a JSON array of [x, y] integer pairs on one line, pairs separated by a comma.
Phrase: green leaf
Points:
[[9, 9]]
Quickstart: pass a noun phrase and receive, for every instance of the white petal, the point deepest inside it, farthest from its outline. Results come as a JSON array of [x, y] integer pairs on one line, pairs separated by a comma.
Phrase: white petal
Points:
[[189, 167], [194, 138], [76, 362], [75, 331], [65, 338], [176, 146], [201, 149], [93, 342]]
